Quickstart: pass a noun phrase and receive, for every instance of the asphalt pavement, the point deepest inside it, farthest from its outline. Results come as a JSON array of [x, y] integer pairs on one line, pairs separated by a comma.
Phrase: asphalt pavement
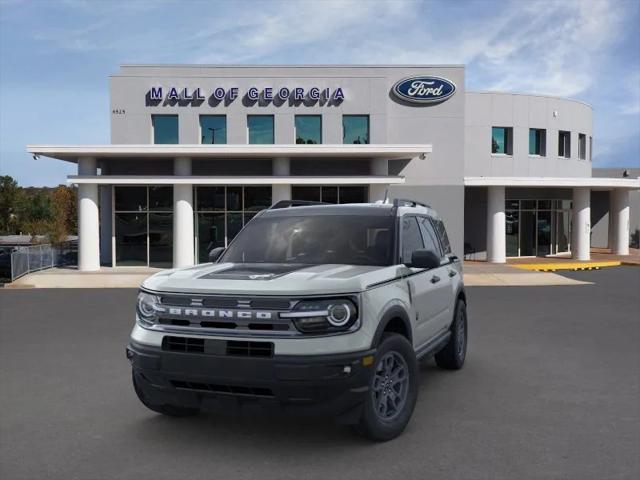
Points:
[[551, 389]]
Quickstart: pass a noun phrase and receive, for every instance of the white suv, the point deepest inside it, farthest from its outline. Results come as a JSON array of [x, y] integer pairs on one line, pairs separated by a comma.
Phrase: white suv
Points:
[[312, 308]]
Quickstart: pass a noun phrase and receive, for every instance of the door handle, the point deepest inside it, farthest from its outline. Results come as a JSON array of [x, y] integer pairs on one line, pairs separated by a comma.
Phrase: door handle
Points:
[[435, 279], [452, 273]]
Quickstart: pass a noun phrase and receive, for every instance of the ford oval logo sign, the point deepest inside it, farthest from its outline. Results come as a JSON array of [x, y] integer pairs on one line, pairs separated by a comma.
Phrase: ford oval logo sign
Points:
[[424, 89]]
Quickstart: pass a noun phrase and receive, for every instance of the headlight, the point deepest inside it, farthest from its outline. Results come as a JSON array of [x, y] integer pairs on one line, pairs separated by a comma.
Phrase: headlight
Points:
[[147, 307], [324, 316]]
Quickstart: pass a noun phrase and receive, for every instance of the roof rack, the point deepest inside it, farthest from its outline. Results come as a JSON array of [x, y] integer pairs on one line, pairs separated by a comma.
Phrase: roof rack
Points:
[[403, 202], [295, 203]]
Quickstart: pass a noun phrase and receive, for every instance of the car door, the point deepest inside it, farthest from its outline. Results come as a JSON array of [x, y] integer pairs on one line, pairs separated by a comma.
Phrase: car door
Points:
[[441, 294], [419, 282]]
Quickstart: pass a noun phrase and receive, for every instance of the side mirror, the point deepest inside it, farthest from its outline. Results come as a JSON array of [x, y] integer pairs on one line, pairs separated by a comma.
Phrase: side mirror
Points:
[[424, 259], [214, 254]]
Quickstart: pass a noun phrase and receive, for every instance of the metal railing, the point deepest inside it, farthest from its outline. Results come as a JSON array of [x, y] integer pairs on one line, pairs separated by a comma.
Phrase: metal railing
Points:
[[40, 257]]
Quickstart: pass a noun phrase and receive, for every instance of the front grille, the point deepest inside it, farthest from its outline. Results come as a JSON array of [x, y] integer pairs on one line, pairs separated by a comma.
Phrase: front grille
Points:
[[218, 347], [249, 349], [227, 314], [223, 389], [183, 344]]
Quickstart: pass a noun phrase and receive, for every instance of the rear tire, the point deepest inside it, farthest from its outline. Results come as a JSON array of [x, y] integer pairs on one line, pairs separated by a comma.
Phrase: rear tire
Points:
[[452, 356], [393, 390], [168, 410]]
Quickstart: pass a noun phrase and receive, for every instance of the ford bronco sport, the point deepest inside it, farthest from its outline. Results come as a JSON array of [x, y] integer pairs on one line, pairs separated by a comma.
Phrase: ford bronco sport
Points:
[[311, 308]]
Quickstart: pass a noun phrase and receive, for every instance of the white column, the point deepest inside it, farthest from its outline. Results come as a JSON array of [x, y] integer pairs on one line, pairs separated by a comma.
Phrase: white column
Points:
[[88, 219], [281, 168], [619, 221], [183, 253], [496, 232], [378, 166], [581, 223]]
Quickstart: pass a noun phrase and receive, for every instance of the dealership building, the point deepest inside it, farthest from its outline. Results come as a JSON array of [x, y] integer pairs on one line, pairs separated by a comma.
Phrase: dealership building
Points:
[[197, 150]]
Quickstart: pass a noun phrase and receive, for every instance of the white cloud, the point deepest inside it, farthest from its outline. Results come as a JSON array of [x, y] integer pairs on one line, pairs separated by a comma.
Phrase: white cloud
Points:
[[631, 102]]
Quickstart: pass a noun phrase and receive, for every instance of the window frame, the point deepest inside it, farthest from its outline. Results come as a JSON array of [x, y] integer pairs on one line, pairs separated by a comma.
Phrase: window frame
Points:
[[582, 146], [364, 115], [508, 142], [220, 115], [566, 145], [295, 127], [153, 127], [542, 142], [273, 129]]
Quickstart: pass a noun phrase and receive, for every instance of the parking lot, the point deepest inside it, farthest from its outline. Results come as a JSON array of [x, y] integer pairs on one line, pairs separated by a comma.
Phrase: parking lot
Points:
[[551, 389]]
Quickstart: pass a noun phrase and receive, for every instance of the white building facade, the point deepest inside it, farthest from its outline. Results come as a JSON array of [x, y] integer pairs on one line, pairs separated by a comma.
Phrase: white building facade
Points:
[[197, 151]]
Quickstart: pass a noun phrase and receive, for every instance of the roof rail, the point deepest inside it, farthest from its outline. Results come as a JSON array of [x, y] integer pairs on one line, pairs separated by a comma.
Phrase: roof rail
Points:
[[403, 202], [295, 203]]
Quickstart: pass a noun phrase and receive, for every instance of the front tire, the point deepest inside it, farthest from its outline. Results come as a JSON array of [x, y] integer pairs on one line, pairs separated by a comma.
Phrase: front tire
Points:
[[165, 409], [393, 390], [452, 356]]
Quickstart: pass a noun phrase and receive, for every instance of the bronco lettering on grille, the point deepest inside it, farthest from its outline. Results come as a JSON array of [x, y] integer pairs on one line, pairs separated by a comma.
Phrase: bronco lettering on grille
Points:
[[216, 313]]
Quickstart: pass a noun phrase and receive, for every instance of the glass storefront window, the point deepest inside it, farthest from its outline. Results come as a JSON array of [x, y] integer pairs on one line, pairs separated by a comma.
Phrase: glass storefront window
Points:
[[537, 227], [165, 129], [234, 198], [210, 198], [257, 198], [211, 233], [130, 199], [161, 198], [355, 129], [221, 213], [261, 130], [512, 227], [331, 193], [131, 239], [161, 240], [306, 193], [213, 129], [308, 129]]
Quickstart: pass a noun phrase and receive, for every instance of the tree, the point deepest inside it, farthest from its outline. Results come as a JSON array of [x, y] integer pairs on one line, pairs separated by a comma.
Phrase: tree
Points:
[[11, 201]]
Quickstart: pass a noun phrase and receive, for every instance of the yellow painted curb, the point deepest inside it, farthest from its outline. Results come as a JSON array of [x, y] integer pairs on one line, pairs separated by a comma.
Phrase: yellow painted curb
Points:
[[552, 267]]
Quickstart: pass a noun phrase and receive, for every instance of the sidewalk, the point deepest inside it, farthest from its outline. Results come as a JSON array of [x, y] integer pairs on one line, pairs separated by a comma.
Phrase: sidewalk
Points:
[[475, 274], [106, 277]]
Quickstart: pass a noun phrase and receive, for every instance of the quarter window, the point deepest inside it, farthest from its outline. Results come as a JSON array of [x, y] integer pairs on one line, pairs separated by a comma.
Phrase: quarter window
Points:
[[442, 235], [165, 129], [260, 129], [429, 237], [411, 238], [213, 129], [502, 140], [564, 144], [582, 146], [537, 142], [355, 129], [308, 129]]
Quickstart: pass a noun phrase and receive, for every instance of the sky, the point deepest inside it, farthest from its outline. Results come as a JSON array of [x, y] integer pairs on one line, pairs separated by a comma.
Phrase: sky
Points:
[[56, 56]]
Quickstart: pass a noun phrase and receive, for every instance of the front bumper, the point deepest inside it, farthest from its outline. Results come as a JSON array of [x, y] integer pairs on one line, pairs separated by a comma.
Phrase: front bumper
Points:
[[332, 385]]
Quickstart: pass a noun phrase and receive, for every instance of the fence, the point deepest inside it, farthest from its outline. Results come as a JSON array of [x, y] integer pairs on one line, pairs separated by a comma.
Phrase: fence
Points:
[[39, 257]]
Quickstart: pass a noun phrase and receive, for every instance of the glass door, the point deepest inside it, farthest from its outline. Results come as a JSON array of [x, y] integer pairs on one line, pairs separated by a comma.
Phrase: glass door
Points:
[[544, 233]]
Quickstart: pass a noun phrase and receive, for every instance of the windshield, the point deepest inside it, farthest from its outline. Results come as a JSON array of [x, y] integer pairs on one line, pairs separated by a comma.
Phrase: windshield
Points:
[[319, 239]]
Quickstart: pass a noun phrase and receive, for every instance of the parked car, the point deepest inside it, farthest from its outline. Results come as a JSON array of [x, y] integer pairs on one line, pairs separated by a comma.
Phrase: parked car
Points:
[[316, 309]]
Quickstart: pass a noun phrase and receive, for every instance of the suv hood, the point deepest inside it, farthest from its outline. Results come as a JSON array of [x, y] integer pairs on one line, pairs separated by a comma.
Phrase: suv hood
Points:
[[270, 279]]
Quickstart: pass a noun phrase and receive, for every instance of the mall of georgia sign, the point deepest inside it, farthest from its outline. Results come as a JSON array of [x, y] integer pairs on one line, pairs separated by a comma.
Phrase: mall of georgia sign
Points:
[[422, 89]]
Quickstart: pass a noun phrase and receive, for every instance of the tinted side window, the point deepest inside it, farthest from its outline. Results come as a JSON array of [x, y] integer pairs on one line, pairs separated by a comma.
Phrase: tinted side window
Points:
[[429, 236], [442, 234], [411, 238]]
